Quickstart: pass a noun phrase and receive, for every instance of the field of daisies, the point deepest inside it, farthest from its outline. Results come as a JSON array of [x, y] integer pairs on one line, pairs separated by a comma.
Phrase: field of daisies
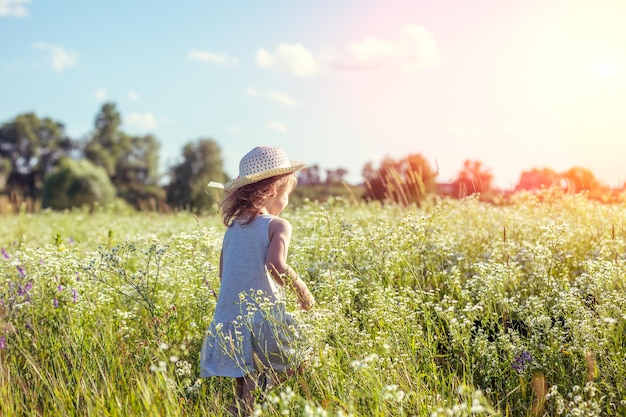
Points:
[[456, 308]]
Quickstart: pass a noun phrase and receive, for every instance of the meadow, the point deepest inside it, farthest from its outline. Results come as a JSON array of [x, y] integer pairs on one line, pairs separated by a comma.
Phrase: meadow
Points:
[[455, 308]]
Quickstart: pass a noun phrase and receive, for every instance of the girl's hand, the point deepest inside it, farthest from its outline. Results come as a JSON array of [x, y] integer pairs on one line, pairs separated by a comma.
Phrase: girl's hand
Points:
[[304, 295]]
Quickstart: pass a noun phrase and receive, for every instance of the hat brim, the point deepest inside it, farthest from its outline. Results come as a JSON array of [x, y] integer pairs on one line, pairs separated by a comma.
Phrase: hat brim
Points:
[[239, 182]]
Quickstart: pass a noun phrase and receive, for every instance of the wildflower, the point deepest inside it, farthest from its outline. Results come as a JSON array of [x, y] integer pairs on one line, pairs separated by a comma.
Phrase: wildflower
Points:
[[183, 368], [590, 389], [5, 254], [195, 387], [392, 393], [74, 295], [60, 288], [21, 270], [3, 343], [477, 407], [522, 361], [56, 303], [162, 367]]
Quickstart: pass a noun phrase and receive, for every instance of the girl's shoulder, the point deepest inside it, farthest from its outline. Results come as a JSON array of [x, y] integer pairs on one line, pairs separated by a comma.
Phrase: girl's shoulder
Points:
[[279, 225], [279, 221]]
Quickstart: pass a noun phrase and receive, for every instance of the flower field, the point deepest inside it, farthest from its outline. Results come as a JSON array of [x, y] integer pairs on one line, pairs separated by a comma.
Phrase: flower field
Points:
[[457, 308]]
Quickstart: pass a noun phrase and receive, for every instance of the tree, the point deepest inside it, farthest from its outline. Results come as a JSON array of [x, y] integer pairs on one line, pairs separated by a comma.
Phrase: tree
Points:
[[309, 175], [130, 161], [376, 179], [29, 149], [136, 174], [537, 179], [405, 181], [335, 176], [77, 184], [415, 165], [202, 163], [472, 179], [5, 170], [105, 145], [581, 179]]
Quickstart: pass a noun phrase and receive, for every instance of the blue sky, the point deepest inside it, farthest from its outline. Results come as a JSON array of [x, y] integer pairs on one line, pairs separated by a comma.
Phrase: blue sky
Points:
[[516, 85]]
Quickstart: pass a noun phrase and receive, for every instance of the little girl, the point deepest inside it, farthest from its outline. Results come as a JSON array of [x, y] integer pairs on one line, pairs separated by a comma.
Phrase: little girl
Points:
[[251, 332]]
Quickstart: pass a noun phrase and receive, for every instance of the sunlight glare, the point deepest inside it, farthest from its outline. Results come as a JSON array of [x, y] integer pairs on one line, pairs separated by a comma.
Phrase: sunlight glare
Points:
[[605, 70]]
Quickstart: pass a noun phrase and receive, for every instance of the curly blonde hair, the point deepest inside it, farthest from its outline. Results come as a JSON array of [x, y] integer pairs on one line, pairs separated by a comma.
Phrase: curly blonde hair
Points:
[[246, 202]]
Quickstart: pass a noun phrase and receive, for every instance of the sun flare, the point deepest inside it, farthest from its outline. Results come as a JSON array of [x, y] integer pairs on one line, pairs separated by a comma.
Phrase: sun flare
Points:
[[605, 70]]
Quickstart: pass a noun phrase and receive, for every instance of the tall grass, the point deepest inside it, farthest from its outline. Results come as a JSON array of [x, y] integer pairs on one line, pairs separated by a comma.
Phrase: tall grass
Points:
[[456, 308]]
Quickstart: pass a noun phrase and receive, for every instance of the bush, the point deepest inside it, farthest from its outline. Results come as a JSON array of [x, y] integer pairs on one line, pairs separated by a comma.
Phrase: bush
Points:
[[77, 184]]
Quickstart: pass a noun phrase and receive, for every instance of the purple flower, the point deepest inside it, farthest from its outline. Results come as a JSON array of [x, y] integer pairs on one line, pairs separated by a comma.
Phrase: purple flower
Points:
[[3, 342], [525, 357], [70, 240], [24, 291], [21, 270], [521, 361], [5, 254], [74, 295], [56, 303], [60, 288]]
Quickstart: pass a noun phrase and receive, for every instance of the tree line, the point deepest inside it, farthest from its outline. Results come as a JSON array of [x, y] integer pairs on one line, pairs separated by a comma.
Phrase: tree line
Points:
[[40, 163], [410, 179]]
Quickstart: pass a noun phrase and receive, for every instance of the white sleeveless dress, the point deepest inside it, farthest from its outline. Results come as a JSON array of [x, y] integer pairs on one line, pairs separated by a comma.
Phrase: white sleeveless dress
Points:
[[250, 331]]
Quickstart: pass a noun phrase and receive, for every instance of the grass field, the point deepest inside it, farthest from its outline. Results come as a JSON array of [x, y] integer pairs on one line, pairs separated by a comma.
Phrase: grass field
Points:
[[457, 308]]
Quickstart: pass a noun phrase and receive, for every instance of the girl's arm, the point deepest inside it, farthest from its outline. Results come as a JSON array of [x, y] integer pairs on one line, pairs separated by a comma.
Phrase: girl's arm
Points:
[[221, 263], [276, 262]]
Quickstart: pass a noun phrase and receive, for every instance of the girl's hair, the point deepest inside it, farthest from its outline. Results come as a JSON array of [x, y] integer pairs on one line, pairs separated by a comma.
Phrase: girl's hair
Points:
[[246, 202]]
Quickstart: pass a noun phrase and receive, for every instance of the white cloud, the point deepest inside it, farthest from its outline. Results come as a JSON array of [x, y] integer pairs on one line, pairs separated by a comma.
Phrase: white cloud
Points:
[[277, 126], [133, 95], [15, 8], [101, 94], [61, 58], [282, 98], [276, 96], [219, 59], [294, 59], [421, 48], [141, 121], [372, 49], [413, 48]]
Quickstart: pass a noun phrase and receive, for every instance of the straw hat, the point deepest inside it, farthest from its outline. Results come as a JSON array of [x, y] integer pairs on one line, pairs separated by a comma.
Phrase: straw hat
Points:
[[260, 163]]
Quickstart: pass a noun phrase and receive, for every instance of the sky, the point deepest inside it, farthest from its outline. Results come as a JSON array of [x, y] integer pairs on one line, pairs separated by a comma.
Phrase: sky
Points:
[[515, 85]]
